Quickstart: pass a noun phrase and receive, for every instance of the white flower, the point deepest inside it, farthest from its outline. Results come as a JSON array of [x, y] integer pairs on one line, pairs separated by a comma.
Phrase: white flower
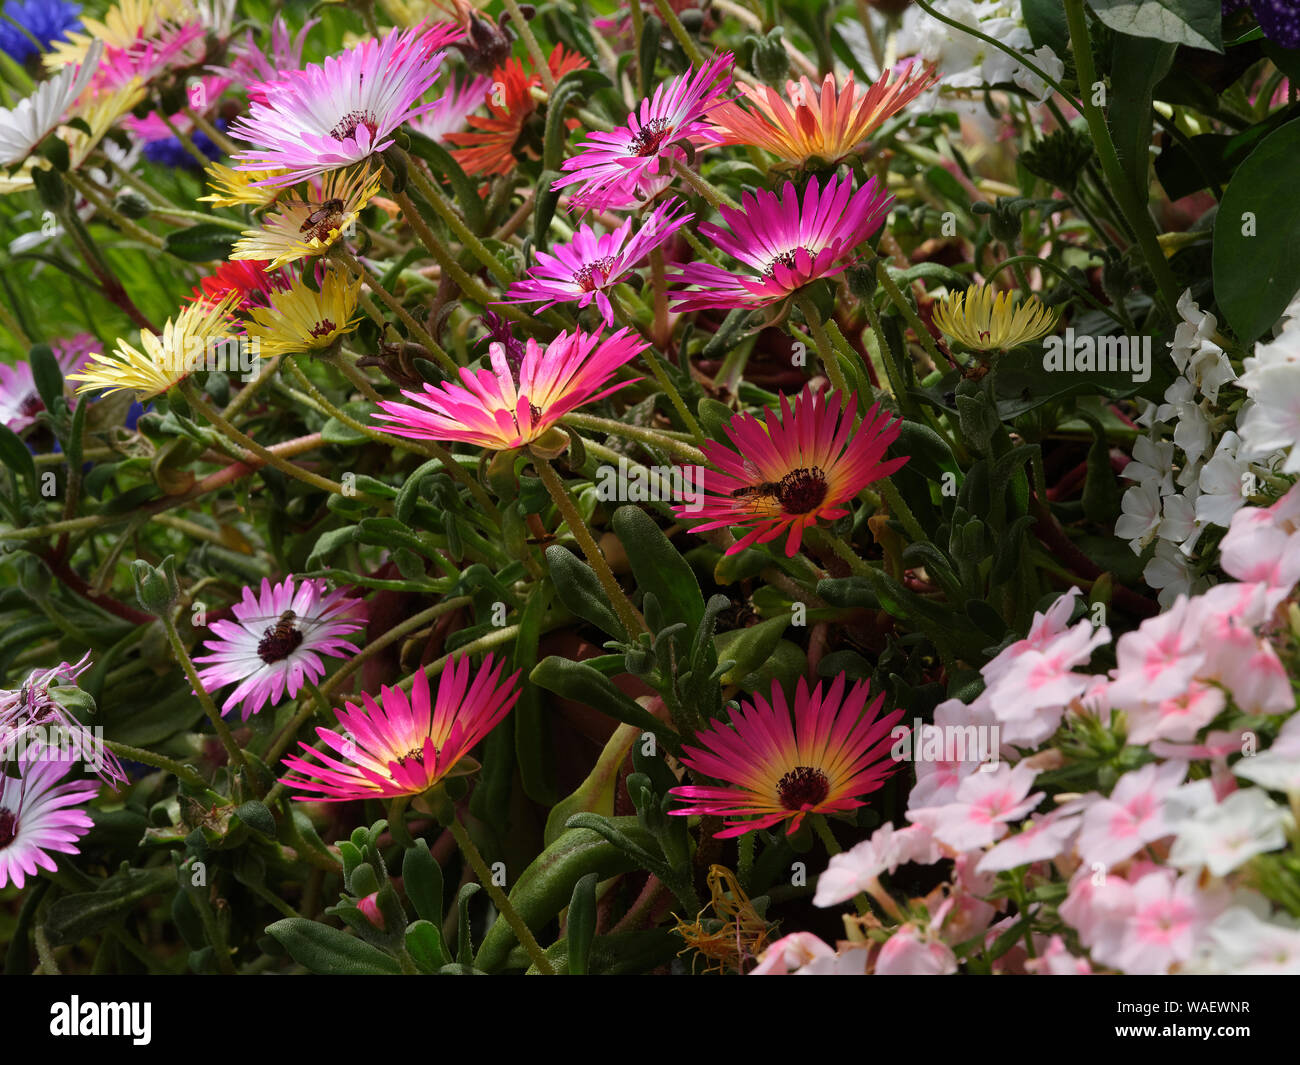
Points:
[[1225, 836], [1141, 516], [1169, 572], [1278, 768], [1153, 463], [38, 115], [1049, 63], [1179, 525], [1220, 483], [964, 61], [1240, 943]]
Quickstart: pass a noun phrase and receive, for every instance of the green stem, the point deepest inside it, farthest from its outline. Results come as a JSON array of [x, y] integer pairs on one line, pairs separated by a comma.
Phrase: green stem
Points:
[[394, 304], [627, 613], [693, 55], [138, 754], [593, 423], [1017, 56], [191, 394], [530, 42], [205, 700], [452, 217], [715, 196], [1135, 211], [909, 315], [824, 350], [499, 898], [660, 374]]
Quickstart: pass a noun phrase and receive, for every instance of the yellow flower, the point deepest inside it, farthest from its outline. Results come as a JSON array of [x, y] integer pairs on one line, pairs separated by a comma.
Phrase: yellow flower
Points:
[[187, 341], [126, 23], [301, 319], [828, 124], [297, 229], [235, 188], [984, 319]]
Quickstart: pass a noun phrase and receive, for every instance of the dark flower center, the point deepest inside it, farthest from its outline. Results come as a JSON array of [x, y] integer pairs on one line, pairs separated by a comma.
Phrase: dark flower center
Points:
[[8, 827], [323, 328], [786, 258], [583, 278], [32, 405], [279, 642], [348, 124], [416, 753], [802, 490], [649, 137], [803, 786]]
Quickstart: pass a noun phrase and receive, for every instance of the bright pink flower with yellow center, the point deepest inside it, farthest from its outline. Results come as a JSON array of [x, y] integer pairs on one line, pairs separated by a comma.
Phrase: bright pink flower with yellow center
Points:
[[787, 472], [787, 240], [494, 410], [405, 744], [774, 769]]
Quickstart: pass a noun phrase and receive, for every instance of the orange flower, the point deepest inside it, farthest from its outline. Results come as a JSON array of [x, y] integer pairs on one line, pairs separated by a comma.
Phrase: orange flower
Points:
[[490, 149], [829, 124]]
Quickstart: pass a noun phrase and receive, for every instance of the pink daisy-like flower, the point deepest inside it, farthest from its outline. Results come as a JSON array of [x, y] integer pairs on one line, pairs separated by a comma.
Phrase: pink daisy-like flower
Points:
[[20, 403], [409, 743], [451, 109], [786, 472], [610, 166], [788, 241], [489, 409], [33, 720], [277, 639], [341, 112], [253, 67], [39, 816], [583, 269], [774, 769]]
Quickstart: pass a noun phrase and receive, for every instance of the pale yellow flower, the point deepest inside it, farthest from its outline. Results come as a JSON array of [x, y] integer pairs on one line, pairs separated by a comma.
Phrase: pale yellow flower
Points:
[[301, 319], [296, 229], [161, 361], [984, 319]]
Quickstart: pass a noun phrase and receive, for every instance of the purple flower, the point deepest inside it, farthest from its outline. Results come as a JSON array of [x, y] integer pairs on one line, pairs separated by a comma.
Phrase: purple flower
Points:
[[276, 640], [341, 112], [787, 241], [584, 268], [46, 20], [613, 167], [40, 816]]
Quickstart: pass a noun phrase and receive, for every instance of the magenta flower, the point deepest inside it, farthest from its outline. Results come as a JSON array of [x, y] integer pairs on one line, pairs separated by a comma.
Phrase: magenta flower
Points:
[[277, 639], [787, 242], [611, 166], [784, 473], [404, 745], [457, 103], [20, 403], [489, 409], [774, 769], [39, 816], [341, 112], [583, 269]]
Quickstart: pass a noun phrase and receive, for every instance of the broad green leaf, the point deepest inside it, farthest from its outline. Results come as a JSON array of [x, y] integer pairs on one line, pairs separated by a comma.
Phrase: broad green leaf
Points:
[[1197, 23], [1256, 253]]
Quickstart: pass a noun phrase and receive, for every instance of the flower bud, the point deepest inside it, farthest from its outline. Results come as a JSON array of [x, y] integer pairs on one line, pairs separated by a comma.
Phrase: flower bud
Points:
[[156, 587], [771, 63]]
